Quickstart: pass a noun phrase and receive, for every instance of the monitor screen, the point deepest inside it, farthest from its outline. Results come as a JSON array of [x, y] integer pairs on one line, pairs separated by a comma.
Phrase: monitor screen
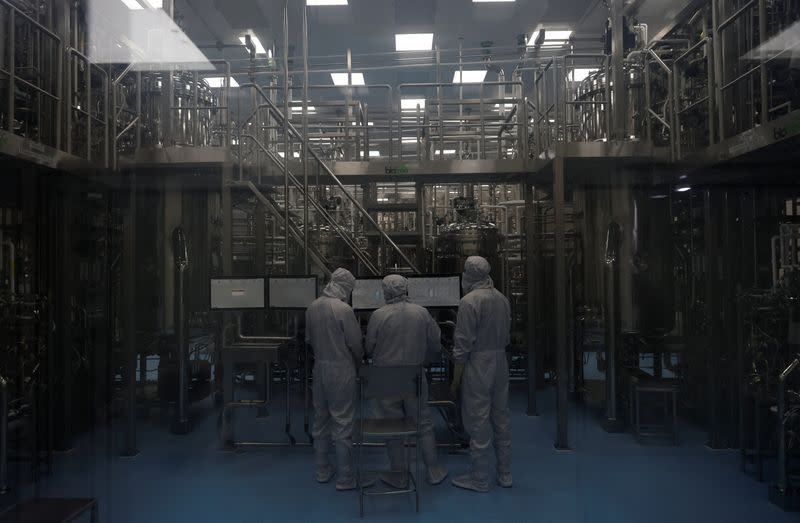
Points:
[[427, 291], [368, 294], [292, 292], [237, 293], [435, 291]]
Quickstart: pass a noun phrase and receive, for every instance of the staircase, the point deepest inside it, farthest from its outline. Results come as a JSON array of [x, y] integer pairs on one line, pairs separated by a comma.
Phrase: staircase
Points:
[[267, 111]]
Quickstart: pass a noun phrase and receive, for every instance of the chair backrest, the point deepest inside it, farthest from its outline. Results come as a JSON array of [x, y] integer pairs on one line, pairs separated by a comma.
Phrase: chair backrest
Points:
[[390, 382]]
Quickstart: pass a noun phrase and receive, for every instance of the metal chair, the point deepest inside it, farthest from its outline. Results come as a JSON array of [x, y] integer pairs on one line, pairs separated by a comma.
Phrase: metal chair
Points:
[[389, 383]]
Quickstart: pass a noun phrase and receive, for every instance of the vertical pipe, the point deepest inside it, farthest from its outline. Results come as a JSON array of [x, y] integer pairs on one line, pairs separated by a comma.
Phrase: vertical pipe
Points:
[[531, 253], [648, 131], [712, 124], [131, 347], [68, 108], [559, 180], [182, 404], [138, 112], [619, 103], [483, 128], [676, 111], [711, 227], [439, 99], [719, 69], [612, 322], [59, 56], [11, 71], [286, 152], [88, 80], [460, 96], [762, 38], [196, 111], [306, 195], [3, 435], [419, 135]]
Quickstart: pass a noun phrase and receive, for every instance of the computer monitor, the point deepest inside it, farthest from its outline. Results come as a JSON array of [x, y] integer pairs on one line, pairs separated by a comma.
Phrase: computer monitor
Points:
[[237, 293], [368, 294], [292, 292], [427, 291], [435, 291]]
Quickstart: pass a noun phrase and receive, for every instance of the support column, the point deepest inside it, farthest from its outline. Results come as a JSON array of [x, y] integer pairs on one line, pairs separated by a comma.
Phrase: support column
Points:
[[562, 349], [531, 253], [712, 268], [129, 318]]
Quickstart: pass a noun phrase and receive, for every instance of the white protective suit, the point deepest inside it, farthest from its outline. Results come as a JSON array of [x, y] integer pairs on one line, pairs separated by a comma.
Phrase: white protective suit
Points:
[[483, 330], [334, 335], [402, 333]]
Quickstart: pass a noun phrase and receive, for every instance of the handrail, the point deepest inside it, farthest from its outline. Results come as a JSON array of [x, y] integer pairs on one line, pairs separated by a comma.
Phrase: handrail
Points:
[[291, 228], [783, 481], [280, 116], [321, 210]]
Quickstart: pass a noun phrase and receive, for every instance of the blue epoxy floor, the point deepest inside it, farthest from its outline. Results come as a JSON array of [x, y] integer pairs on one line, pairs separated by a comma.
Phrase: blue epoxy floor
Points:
[[606, 478]]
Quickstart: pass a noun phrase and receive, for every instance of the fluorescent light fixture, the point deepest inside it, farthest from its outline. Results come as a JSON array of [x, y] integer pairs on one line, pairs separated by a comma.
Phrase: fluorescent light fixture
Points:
[[312, 3], [299, 109], [374, 154], [557, 35], [217, 82], [256, 43], [413, 42], [469, 77], [282, 155], [341, 78], [296, 155], [491, 1], [552, 37], [133, 5], [580, 74], [410, 104], [683, 189], [411, 140], [505, 106], [447, 152]]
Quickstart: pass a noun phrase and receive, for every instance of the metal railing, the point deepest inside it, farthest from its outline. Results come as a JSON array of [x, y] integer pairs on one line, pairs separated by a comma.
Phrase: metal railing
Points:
[[314, 157], [783, 473], [432, 127], [88, 109], [36, 81]]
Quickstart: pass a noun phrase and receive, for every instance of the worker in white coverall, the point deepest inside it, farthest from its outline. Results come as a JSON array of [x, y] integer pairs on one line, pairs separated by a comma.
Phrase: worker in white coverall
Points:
[[403, 334], [483, 330], [334, 335]]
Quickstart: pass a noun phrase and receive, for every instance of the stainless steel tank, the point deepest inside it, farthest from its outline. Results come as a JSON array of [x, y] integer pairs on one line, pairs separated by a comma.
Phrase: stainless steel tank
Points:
[[178, 127], [467, 236], [593, 116], [645, 254]]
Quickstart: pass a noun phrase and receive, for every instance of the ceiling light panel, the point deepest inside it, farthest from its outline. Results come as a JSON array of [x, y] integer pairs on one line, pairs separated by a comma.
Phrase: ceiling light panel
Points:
[[413, 42], [217, 82], [492, 1], [410, 104], [341, 78], [469, 77], [312, 3], [557, 35], [133, 5], [580, 74], [256, 43]]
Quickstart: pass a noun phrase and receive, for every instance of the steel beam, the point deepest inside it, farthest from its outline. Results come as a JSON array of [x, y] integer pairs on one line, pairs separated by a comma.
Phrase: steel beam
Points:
[[559, 179], [129, 318], [531, 253]]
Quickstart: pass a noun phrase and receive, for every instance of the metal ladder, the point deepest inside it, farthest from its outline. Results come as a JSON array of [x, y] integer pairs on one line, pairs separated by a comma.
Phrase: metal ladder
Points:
[[279, 211]]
